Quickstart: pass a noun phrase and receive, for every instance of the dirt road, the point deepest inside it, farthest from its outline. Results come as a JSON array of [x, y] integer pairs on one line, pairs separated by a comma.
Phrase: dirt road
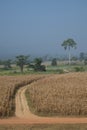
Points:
[[22, 108], [24, 116]]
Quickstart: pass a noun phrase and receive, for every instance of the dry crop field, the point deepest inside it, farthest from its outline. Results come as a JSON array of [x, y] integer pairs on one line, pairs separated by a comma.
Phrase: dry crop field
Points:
[[8, 88], [62, 95], [45, 127]]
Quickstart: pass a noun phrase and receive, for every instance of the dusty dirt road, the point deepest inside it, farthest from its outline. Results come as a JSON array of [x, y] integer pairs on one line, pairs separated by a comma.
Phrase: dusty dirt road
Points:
[[24, 116]]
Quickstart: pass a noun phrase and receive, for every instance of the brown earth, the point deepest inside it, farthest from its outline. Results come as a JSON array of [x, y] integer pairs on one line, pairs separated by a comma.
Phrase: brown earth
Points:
[[24, 116]]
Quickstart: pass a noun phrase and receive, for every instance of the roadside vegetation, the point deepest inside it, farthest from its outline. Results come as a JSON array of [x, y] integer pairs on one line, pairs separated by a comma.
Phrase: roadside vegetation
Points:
[[45, 67]]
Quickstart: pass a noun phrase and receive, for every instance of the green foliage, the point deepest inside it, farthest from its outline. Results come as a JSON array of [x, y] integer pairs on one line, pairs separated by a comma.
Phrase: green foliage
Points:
[[60, 71], [79, 69], [54, 62], [69, 43], [37, 65], [39, 68], [38, 61], [21, 60]]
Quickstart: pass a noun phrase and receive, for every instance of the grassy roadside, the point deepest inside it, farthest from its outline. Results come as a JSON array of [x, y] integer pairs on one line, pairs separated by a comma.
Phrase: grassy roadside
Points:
[[45, 127], [49, 70]]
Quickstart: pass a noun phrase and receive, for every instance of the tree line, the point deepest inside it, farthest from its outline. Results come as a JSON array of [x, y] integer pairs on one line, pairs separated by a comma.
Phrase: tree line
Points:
[[23, 60]]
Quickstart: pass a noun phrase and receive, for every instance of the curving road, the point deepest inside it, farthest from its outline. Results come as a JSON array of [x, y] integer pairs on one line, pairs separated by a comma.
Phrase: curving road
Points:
[[24, 116]]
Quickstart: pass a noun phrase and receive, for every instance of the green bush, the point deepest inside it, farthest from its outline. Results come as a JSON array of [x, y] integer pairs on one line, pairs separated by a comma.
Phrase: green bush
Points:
[[79, 69], [60, 71], [39, 68], [37, 65]]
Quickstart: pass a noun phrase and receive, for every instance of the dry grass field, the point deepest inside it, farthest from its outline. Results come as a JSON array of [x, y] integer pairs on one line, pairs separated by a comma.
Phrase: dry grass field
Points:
[[62, 95], [8, 88], [45, 127]]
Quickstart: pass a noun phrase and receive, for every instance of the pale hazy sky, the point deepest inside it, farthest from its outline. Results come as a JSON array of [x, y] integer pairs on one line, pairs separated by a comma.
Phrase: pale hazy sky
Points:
[[38, 27]]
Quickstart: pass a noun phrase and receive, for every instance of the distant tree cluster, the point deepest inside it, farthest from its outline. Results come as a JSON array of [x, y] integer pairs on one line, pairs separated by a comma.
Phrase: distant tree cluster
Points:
[[36, 64], [21, 61]]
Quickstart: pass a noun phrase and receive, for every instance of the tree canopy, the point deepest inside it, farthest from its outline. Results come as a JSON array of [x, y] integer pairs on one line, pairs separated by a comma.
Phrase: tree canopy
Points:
[[21, 60], [69, 43]]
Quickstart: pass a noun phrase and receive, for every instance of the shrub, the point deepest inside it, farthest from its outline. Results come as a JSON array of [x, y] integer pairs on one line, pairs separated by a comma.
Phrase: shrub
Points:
[[39, 68], [37, 65], [77, 69], [60, 71]]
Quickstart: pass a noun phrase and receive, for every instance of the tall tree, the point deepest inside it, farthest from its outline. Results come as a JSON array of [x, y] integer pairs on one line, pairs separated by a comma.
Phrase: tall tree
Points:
[[68, 44], [21, 60]]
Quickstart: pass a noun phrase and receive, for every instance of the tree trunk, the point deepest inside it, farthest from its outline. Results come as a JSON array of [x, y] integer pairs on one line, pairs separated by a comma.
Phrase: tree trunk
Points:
[[21, 67], [69, 56]]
